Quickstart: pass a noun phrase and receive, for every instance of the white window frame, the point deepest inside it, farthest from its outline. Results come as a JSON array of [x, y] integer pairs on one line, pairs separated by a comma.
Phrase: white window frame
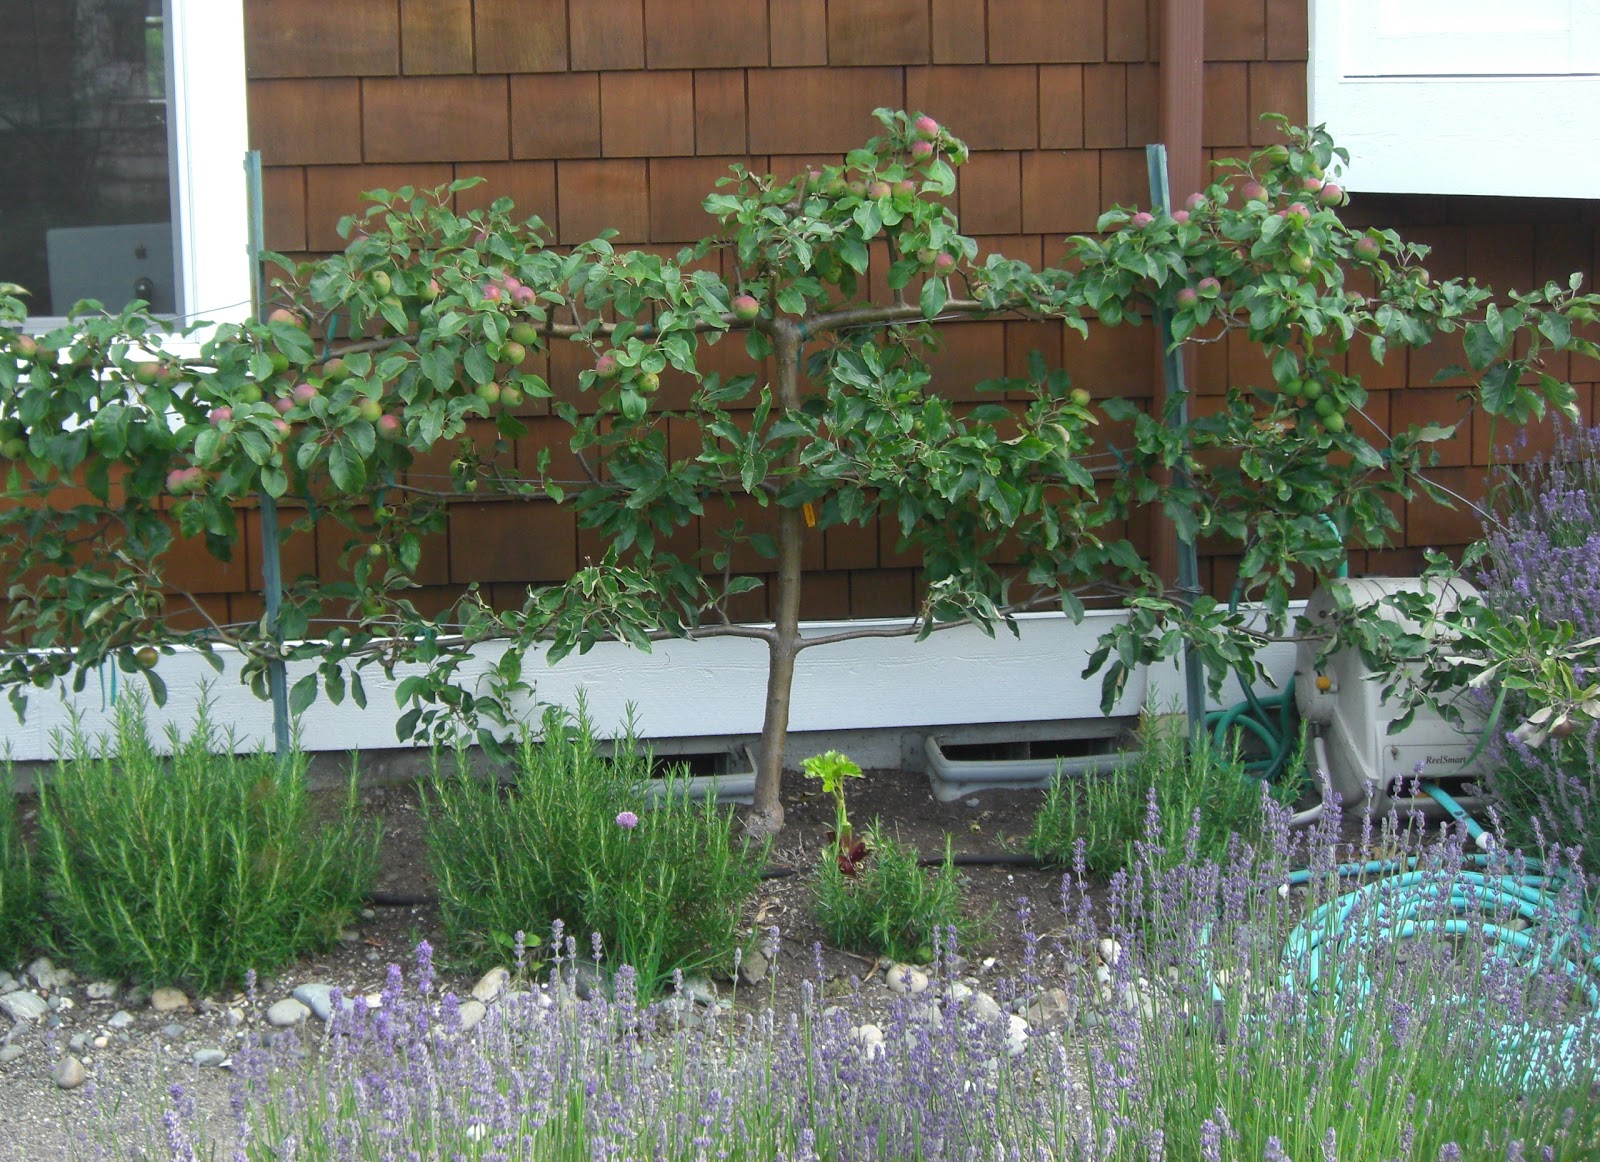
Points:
[[1436, 132], [208, 134]]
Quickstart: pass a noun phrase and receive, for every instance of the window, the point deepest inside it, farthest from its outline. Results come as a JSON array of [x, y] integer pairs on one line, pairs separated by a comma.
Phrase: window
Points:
[[123, 126], [1461, 96]]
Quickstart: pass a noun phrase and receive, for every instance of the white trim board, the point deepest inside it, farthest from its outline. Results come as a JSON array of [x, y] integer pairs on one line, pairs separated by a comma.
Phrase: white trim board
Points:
[[1471, 109], [691, 689]]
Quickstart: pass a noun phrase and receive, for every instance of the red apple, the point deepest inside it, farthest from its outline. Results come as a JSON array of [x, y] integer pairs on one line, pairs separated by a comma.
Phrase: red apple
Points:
[[303, 393], [284, 404], [922, 150], [944, 263], [1180, 216], [926, 128], [370, 410], [1140, 220], [1187, 298], [746, 308], [1254, 192], [1367, 248], [220, 416], [1331, 195], [389, 427], [607, 367], [879, 189], [1210, 287], [1193, 202]]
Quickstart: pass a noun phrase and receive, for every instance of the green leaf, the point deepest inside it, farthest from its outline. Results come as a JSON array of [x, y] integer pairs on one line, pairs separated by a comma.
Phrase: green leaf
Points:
[[348, 470], [480, 368], [934, 296], [274, 482], [303, 694], [1480, 345], [1557, 328]]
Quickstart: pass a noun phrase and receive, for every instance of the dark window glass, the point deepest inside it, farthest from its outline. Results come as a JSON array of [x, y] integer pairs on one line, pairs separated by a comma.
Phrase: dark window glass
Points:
[[86, 204]]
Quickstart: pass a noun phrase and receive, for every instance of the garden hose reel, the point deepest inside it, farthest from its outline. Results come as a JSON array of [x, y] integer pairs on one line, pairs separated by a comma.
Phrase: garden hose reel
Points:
[[1341, 698]]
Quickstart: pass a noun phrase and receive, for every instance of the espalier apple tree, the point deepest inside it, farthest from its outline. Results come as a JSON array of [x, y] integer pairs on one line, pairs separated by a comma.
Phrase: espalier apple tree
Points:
[[386, 352]]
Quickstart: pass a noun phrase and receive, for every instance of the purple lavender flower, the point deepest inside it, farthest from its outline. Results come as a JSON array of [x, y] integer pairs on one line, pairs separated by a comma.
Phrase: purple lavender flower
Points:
[[627, 820]]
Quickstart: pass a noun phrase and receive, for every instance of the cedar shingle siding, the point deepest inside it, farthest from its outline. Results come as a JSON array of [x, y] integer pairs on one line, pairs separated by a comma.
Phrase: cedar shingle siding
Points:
[[622, 114]]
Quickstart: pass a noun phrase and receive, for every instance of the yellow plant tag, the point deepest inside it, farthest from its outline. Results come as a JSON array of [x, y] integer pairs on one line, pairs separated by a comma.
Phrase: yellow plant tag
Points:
[[810, 514]]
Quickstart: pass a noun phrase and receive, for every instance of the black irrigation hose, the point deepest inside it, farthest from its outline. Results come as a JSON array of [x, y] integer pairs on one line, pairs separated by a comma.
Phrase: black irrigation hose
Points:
[[777, 872]]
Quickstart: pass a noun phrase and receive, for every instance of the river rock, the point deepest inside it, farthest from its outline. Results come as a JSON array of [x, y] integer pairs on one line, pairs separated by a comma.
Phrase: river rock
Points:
[[316, 996], [903, 978], [209, 1058], [491, 985], [754, 967], [102, 990], [1017, 1036], [9, 1053], [24, 1006], [470, 1013], [120, 1019], [47, 976], [168, 1000], [69, 1073], [1051, 1009], [286, 1013], [8, 983]]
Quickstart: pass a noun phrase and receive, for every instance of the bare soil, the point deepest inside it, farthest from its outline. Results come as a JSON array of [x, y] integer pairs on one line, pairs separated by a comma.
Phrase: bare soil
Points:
[[42, 1120]]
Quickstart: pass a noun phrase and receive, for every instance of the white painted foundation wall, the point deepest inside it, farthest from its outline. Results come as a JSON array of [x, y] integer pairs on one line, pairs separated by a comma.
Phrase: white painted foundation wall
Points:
[[684, 689]]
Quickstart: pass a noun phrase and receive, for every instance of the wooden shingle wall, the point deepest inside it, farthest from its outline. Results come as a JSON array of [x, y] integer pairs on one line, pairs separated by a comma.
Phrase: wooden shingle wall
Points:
[[622, 114]]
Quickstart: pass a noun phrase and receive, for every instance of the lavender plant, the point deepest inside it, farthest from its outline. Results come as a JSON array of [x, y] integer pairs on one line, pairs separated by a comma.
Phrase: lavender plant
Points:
[[1542, 553], [577, 838], [195, 868], [1230, 1018]]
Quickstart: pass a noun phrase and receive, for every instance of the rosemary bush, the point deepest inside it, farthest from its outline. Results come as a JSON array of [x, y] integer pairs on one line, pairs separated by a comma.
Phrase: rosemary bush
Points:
[[192, 869], [19, 892], [1168, 787], [577, 838]]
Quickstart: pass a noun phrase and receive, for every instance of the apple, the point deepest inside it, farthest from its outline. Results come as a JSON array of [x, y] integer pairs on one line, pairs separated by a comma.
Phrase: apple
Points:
[[145, 373], [1187, 298], [524, 296], [905, 186], [1311, 185], [1079, 397], [489, 392], [878, 190], [284, 404], [513, 353], [283, 427], [1422, 276], [303, 393], [1210, 288], [649, 383], [1254, 192], [944, 263], [146, 657], [381, 283], [1367, 248], [377, 551], [284, 315], [1194, 202], [334, 369], [926, 128], [922, 150], [1300, 263], [1140, 220], [428, 291], [511, 396], [370, 410], [1277, 155], [250, 393], [15, 448], [389, 427], [1331, 195], [1335, 423], [1180, 216], [220, 416], [1299, 210], [279, 361], [525, 333], [492, 292], [607, 367], [746, 307]]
